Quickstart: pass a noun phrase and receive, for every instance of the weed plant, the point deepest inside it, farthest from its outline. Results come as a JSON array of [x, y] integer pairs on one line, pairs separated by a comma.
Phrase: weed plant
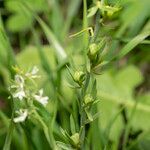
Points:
[[68, 74]]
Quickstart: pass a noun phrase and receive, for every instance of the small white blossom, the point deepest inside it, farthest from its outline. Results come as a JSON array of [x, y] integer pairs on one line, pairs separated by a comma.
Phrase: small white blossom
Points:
[[19, 87], [19, 94], [19, 80], [33, 73], [34, 70], [40, 98], [22, 115]]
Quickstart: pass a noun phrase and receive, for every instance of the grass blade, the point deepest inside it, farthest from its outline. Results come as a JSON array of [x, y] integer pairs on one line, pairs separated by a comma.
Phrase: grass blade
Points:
[[5, 44], [133, 43], [61, 54], [52, 39], [10, 130]]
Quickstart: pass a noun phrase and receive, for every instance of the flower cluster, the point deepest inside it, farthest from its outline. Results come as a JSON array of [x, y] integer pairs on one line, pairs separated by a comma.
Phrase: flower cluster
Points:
[[23, 92], [105, 9]]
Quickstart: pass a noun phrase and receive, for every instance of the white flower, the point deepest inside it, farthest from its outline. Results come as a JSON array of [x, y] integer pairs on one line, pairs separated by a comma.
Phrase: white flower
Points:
[[19, 80], [33, 73], [40, 98], [20, 93], [22, 115], [34, 70], [19, 87]]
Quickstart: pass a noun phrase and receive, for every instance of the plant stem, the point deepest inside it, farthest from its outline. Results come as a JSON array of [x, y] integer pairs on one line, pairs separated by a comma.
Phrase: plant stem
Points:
[[48, 134], [127, 129], [10, 130], [85, 23], [9, 136]]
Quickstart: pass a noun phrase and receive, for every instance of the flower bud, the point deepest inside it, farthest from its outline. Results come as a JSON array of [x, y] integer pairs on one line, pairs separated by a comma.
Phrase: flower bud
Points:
[[93, 50], [88, 99], [75, 138], [79, 77]]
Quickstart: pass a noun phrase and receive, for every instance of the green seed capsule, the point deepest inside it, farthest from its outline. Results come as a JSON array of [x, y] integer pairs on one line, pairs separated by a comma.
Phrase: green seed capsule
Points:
[[88, 99], [79, 76], [93, 50], [75, 138]]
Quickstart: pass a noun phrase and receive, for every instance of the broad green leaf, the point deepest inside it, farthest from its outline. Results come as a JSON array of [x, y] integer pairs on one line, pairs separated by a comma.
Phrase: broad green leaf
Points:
[[19, 22], [12, 6], [20, 19], [117, 89], [30, 57]]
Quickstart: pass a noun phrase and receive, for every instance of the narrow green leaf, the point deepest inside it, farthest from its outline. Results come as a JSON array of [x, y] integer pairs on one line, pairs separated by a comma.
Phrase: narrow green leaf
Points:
[[6, 45], [61, 54], [85, 23], [71, 12], [64, 146], [10, 130], [9, 136], [52, 39], [44, 60], [72, 125], [133, 43]]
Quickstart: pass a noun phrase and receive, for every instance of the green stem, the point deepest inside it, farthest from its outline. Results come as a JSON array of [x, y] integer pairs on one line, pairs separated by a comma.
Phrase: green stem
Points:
[[127, 129], [9, 136], [82, 129], [48, 134], [97, 28], [85, 23], [10, 130]]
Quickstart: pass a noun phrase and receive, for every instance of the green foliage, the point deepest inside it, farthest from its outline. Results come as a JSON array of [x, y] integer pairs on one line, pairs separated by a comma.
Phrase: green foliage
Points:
[[21, 20]]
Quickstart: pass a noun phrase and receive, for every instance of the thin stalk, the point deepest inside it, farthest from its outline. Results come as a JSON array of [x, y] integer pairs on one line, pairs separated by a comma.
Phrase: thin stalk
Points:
[[82, 128], [97, 28], [127, 129], [82, 111], [108, 128], [10, 130], [85, 23], [48, 134]]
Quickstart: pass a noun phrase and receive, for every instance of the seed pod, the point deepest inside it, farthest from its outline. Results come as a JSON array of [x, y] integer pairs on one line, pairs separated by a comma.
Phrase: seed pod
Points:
[[79, 77], [93, 50], [88, 99], [75, 138]]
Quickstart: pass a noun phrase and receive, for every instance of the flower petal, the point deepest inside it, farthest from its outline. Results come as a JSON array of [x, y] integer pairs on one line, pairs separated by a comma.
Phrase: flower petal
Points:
[[22, 116]]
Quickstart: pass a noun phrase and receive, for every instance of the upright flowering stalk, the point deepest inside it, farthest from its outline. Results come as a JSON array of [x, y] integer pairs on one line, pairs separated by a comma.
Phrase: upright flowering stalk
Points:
[[21, 91], [25, 95]]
